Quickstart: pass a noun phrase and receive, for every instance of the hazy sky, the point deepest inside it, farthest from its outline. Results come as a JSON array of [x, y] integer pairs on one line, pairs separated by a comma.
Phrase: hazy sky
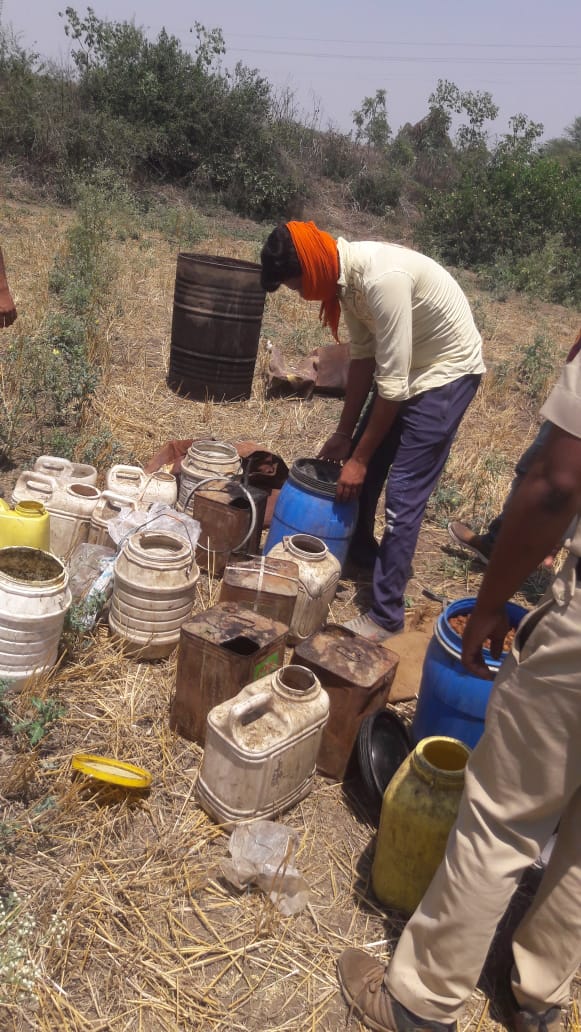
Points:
[[331, 55]]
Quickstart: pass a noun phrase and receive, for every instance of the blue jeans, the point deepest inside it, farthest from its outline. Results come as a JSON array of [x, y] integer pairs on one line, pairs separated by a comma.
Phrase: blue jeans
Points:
[[413, 454]]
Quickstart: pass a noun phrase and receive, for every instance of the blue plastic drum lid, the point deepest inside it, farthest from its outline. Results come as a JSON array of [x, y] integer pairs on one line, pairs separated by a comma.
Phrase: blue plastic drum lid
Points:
[[307, 505], [452, 701]]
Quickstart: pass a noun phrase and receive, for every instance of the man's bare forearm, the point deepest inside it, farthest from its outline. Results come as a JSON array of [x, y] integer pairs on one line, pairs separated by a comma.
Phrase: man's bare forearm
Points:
[[359, 383]]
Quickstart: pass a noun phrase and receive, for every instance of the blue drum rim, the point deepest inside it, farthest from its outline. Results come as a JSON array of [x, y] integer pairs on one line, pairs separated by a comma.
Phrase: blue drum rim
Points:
[[321, 488], [451, 641]]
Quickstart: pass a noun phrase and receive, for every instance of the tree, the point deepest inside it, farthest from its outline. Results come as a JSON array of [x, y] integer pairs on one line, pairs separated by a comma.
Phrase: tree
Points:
[[567, 148], [371, 125], [479, 107]]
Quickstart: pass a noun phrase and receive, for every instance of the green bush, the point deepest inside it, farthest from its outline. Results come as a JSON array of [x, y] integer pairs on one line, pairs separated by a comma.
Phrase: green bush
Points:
[[377, 190], [503, 206], [341, 159], [537, 366], [515, 210], [553, 273]]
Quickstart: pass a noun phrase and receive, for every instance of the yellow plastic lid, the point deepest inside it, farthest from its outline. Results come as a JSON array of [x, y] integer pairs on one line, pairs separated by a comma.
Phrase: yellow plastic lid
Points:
[[114, 771]]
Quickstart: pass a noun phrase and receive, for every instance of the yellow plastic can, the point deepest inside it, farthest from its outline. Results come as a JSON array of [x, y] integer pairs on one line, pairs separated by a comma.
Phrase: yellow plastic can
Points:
[[28, 523], [420, 805]]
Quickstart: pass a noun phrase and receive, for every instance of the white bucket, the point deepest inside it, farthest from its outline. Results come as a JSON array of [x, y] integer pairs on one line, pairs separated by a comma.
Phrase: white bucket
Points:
[[153, 592], [206, 458], [261, 747], [34, 600], [319, 573]]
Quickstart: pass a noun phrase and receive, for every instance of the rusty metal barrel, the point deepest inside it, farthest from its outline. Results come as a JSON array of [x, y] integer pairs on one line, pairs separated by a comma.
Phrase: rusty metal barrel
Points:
[[217, 315]]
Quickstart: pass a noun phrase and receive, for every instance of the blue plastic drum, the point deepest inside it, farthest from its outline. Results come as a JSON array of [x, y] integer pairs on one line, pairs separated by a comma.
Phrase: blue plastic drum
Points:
[[307, 505], [451, 701]]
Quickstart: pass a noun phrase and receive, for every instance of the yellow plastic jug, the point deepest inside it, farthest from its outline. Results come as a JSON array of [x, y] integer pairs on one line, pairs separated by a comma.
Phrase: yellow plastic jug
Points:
[[28, 523], [420, 805]]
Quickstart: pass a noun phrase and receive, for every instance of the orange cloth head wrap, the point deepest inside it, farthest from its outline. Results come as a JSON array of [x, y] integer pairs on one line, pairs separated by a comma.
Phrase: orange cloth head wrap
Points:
[[317, 253]]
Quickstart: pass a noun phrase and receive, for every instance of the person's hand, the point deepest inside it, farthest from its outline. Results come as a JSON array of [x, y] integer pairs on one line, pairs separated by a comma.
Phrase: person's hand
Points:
[[336, 449], [477, 630], [7, 308], [351, 480]]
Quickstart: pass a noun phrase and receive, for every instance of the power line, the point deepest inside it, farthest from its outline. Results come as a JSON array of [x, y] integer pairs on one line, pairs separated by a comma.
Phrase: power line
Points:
[[389, 58], [406, 43]]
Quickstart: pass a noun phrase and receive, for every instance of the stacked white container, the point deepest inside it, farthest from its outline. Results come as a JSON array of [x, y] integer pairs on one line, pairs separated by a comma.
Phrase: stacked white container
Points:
[[34, 600], [319, 573], [154, 584], [206, 458]]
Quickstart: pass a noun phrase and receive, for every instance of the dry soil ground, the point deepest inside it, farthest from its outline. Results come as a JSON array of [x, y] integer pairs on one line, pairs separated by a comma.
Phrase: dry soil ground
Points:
[[123, 921]]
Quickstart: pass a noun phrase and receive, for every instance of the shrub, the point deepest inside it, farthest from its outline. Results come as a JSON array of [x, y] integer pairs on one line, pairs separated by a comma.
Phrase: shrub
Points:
[[377, 190], [504, 209], [537, 366], [510, 203], [552, 273]]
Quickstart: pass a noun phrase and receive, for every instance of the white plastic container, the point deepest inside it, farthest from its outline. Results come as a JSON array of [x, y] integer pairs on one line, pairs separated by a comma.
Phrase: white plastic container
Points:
[[319, 573], [34, 600], [144, 488], [153, 592], [206, 458], [70, 506], [261, 747], [108, 507], [63, 469], [34, 486]]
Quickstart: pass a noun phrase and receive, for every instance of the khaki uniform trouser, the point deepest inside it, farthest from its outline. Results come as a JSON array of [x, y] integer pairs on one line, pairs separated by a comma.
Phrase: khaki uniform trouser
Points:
[[522, 778]]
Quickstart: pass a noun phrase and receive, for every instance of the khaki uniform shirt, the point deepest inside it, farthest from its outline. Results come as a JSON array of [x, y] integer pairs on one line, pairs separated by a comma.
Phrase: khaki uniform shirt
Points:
[[407, 312], [563, 408]]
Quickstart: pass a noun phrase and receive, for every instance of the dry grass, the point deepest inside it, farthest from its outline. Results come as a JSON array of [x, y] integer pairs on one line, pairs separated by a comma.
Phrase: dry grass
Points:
[[134, 929]]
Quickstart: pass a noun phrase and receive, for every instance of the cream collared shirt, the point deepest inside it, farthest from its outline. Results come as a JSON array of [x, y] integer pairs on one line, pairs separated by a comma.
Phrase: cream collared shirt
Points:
[[403, 309], [563, 407]]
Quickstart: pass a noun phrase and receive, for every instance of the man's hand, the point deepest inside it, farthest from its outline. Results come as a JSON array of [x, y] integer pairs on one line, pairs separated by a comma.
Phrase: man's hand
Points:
[[495, 626], [7, 308], [336, 448], [351, 480]]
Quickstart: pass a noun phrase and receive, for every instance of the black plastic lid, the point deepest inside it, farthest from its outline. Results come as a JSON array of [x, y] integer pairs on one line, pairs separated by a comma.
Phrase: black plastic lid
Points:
[[382, 746], [317, 475]]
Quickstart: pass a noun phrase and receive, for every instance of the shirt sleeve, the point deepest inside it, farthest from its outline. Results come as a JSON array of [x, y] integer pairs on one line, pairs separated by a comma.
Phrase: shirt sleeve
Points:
[[390, 303], [563, 406]]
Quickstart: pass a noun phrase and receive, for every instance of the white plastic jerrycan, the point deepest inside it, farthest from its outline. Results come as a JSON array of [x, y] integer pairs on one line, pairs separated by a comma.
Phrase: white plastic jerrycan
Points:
[[69, 504], [64, 469], [319, 573], [144, 488], [262, 745]]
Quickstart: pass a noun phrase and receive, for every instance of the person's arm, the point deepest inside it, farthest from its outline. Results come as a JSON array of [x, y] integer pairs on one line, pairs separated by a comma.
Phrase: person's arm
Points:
[[389, 298], [540, 511], [354, 471], [7, 306], [359, 381]]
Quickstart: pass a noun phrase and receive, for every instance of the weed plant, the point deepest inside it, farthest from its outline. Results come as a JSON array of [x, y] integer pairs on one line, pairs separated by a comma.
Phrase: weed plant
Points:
[[538, 367], [23, 945], [34, 727], [48, 377]]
